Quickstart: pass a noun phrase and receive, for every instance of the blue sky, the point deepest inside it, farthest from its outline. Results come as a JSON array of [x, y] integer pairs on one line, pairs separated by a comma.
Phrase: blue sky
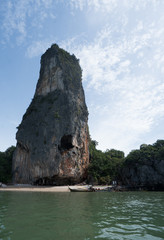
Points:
[[120, 45]]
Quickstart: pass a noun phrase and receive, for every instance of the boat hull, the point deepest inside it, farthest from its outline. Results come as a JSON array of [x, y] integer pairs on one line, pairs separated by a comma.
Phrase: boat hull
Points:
[[81, 189]]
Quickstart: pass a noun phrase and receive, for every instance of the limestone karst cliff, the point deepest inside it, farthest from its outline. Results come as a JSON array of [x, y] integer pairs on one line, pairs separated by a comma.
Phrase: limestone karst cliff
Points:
[[146, 175], [52, 139], [144, 168]]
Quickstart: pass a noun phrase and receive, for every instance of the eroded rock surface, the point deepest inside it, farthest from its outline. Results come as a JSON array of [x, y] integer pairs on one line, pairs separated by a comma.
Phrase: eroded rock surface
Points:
[[52, 139], [147, 174]]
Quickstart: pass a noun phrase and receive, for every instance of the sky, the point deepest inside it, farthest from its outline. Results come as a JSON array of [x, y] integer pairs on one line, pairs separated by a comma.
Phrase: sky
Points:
[[120, 45]]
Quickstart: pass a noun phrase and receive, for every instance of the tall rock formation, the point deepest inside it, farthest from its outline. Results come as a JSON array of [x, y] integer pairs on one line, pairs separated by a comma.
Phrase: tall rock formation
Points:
[[52, 139]]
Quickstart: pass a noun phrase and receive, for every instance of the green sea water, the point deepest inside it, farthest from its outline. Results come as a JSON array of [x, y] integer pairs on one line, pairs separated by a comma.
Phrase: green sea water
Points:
[[76, 216]]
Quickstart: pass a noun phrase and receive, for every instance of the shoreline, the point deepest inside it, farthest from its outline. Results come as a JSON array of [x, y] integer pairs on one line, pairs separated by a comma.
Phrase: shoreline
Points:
[[12, 188], [9, 188], [36, 189]]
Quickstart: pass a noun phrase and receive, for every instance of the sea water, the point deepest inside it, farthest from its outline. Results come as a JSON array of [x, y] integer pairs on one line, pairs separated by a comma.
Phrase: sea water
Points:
[[81, 216]]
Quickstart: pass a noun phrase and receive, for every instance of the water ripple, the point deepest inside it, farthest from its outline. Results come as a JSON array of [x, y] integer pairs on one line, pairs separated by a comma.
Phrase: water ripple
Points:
[[82, 216]]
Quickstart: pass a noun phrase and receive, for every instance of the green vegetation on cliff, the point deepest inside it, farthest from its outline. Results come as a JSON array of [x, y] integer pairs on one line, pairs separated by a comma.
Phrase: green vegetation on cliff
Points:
[[144, 168], [6, 165], [104, 166], [146, 154], [141, 168]]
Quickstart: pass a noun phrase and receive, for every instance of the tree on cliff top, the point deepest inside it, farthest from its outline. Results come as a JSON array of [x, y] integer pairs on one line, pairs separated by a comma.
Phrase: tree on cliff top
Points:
[[146, 153]]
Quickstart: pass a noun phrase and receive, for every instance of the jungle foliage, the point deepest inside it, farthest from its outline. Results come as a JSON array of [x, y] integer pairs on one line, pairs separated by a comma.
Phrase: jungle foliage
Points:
[[146, 154], [6, 165], [104, 166], [107, 166]]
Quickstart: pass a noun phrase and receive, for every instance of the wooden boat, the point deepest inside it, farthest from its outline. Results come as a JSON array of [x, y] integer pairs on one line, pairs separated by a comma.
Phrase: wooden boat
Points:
[[81, 188], [89, 188]]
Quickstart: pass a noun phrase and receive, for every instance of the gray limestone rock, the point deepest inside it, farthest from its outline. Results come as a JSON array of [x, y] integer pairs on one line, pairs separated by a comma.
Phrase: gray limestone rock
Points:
[[147, 174], [52, 139]]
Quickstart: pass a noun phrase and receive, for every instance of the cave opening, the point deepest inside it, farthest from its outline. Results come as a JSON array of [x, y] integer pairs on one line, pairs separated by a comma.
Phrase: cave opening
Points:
[[66, 142]]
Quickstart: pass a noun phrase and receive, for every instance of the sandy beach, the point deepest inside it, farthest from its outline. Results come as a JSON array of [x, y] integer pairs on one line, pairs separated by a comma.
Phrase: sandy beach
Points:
[[44, 188], [36, 189]]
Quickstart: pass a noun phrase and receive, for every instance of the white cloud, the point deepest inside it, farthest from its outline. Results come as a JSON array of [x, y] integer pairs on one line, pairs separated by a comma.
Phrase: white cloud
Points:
[[110, 5], [19, 17], [122, 63], [127, 73], [14, 21]]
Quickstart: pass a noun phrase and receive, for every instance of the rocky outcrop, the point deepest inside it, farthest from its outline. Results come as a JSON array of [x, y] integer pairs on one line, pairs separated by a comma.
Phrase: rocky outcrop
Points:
[[147, 174], [52, 139]]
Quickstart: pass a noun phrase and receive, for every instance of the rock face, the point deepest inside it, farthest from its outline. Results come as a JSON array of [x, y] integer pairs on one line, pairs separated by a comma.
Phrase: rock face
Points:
[[52, 139], [148, 174]]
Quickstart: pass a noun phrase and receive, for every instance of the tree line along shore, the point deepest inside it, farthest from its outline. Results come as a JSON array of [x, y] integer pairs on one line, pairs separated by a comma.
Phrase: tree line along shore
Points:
[[140, 169]]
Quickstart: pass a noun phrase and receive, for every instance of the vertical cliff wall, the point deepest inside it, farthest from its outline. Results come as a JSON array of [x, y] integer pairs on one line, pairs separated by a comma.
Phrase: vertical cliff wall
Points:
[[52, 139]]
